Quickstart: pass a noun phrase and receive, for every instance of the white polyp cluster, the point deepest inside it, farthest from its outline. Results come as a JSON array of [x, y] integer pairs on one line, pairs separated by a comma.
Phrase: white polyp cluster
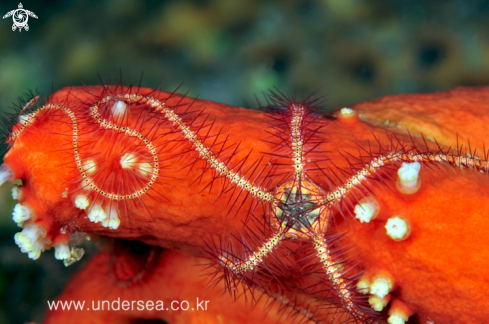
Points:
[[363, 285], [347, 115], [381, 286], [367, 209], [112, 220], [396, 319], [128, 160], [32, 240], [97, 214], [399, 312], [346, 111], [38, 247], [398, 228], [90, 166], [108, 216], [20, 214], [62, 251], [378, 303], [6, 174], [145, 169], [23, 118], [112, 223], [15, 191], [119, 108], [408, 181], [81, 201]]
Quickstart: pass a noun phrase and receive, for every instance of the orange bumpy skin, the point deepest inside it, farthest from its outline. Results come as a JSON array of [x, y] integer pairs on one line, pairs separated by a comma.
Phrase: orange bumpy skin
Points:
[[268, 196], [460, 114], [46, 144], [133, 282]]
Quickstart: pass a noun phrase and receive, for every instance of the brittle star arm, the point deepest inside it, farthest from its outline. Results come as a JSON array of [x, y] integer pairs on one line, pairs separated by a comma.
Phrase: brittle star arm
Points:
[[255, 258], [28, 119], [152, 170], [457, 161], [204, 152], [297, 141], [334, 272]]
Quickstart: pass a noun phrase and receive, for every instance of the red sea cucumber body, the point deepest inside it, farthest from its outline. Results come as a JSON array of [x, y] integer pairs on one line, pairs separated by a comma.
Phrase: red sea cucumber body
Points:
[[459, 115], [171, 206], [169, 288], [441, 262]]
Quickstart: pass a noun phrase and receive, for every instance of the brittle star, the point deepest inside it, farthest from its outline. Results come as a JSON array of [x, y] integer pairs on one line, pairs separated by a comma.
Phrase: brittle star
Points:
[[298, 208]]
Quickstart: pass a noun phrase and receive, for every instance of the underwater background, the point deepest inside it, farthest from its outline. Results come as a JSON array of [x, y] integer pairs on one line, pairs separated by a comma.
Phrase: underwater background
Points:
[[228, 51]]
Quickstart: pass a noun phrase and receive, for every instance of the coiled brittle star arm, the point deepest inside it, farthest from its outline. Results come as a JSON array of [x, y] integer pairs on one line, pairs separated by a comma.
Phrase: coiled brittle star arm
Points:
[[183, 215]]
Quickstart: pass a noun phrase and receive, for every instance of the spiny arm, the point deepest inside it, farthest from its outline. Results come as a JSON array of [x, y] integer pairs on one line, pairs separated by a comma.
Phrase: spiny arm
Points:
[[381, 161]]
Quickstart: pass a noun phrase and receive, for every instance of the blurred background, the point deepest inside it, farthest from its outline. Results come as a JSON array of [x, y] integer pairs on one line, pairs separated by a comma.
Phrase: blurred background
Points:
[[227, 51]]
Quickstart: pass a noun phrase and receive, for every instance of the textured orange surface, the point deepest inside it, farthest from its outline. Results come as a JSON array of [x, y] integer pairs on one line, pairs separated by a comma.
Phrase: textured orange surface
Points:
[[462, 111], [443, 264], [188, 213], [444, 261], [440, 270], [140, 291]]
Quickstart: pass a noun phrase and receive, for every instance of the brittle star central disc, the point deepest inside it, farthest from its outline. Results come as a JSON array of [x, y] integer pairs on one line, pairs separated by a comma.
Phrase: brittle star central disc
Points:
[[298, 206]]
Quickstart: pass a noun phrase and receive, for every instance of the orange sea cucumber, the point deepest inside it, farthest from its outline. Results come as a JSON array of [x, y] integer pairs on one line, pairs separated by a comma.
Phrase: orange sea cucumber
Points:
[[134, 283], [147, 165]]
